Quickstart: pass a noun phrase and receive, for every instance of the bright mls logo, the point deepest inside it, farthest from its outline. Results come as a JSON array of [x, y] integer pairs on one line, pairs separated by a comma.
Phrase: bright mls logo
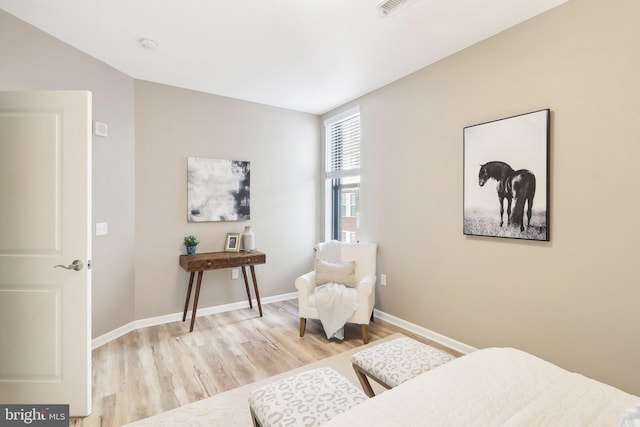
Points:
[[34, 415]]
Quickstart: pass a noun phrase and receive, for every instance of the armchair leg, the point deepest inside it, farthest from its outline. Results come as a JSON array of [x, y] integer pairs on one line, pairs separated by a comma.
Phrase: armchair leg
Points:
[[303, 325], [365, 333]]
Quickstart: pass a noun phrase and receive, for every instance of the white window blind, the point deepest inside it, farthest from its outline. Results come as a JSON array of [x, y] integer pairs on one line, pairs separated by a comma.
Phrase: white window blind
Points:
[[344, 148]]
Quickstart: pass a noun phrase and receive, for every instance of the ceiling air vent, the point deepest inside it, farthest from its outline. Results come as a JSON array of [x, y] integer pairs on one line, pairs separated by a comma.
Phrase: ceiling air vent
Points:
[[387, 7]]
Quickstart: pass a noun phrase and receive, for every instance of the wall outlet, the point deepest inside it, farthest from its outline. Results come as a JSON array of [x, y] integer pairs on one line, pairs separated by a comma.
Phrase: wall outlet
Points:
[[383, 279], [235, 273]]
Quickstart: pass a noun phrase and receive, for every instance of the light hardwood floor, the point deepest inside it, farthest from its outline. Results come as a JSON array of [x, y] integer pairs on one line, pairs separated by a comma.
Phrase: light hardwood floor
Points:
[[156, 369]]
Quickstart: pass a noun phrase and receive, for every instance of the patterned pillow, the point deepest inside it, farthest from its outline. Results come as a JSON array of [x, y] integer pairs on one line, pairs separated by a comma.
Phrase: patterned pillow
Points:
[[336, 272]]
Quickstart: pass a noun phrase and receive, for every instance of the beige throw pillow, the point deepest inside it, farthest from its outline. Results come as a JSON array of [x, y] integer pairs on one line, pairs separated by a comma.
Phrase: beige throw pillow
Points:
[[336, 272]]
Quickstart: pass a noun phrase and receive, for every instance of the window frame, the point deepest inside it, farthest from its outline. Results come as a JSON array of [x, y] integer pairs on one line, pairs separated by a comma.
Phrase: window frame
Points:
[[331, 207]]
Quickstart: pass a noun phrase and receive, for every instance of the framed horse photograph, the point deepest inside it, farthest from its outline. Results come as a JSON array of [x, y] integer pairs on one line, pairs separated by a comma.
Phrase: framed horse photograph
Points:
[[506, 177]]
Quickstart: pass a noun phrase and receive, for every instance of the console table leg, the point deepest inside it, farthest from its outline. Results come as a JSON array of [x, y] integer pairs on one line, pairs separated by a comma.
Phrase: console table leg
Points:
[[246, 285], [255, 288], [195, 300], [186, 303]]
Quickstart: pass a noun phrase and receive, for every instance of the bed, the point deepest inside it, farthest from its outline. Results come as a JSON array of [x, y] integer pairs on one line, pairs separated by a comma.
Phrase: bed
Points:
[[494, 387]]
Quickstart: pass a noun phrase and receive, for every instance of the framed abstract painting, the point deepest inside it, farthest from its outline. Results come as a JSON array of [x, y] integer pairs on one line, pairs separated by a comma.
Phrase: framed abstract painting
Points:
[[218, 190]]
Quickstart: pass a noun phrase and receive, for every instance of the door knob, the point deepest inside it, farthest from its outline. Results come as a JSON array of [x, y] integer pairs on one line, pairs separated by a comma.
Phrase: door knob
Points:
[[75, 265]]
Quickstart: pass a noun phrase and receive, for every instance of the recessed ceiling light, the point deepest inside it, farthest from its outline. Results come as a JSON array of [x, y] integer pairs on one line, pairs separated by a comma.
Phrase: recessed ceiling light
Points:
[[148, 44]]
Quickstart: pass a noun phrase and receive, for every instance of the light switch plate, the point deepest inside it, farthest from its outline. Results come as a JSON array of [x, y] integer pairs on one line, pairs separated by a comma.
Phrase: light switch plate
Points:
[[102, 229]]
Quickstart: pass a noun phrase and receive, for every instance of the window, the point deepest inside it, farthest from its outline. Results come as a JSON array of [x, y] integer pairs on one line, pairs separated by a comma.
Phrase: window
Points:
[[349, 237], [342, 177], [348, 205]]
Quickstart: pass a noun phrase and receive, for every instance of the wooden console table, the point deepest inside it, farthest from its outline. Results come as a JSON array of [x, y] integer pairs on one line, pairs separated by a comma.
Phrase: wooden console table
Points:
[[216, 260]]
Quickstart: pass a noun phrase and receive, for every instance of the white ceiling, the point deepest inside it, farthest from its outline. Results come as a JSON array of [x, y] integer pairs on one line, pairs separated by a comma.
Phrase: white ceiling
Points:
[[305, 55]]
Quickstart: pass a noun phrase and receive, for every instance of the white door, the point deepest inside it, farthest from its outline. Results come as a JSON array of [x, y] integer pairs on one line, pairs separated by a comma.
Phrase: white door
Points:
[[45, 195]]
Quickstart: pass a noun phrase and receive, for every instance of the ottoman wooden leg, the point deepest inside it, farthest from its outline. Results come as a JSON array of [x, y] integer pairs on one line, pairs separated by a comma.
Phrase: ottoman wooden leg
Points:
[[364, 382], [256, 422]]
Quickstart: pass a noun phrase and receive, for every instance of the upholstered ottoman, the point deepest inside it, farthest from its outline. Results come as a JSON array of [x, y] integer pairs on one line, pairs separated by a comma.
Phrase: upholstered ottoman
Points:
[[394, 362], [310, 398]]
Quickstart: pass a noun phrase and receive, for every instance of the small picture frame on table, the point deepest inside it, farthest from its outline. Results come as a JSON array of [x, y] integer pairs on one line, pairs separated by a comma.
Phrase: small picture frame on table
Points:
[[232, 243]]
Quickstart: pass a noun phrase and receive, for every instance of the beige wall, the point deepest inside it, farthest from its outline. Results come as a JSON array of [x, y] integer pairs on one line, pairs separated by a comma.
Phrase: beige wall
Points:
[[33, 60], [283, 148], [135, 270], [573, 300]]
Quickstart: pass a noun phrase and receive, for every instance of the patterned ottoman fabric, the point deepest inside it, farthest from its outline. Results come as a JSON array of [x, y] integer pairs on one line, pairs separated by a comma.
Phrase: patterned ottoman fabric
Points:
[[399, 360], [307, 399]]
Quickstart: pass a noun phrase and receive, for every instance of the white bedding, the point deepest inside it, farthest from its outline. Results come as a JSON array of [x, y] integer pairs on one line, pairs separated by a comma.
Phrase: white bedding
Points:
[[494, 387]]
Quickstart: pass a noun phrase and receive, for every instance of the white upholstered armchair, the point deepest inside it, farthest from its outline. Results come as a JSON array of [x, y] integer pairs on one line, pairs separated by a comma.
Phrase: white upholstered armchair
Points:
[[364, 255]]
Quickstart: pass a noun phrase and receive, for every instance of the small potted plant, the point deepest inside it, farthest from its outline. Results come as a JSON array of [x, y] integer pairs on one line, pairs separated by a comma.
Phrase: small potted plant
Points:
[[190, 242]]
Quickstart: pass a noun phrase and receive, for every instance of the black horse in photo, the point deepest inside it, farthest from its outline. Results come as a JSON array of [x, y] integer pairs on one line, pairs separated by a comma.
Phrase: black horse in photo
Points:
[[519, 185]]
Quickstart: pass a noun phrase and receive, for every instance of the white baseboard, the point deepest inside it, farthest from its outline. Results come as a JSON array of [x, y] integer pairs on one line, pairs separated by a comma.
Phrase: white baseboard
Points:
[[176, 317], [424, 332]]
